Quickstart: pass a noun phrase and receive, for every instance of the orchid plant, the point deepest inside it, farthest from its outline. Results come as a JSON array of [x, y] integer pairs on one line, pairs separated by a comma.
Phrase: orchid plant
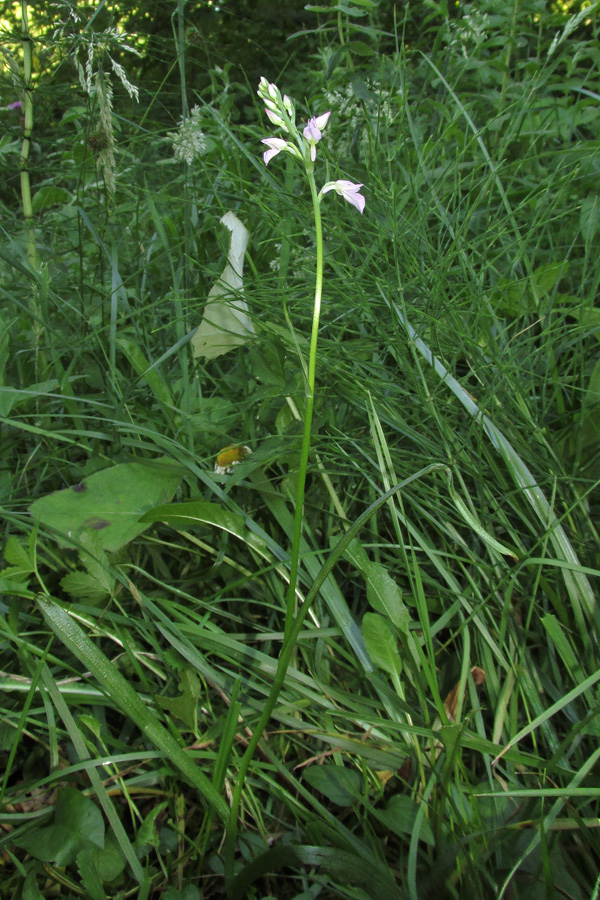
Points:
[[281, 113], [302, 145]]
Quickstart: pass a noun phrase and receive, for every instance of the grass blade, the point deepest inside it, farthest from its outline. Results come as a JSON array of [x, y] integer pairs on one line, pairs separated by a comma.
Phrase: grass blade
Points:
[[126, 698]]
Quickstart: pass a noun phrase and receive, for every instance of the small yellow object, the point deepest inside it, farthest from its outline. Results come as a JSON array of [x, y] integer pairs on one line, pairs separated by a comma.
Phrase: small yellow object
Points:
[[229, 457]]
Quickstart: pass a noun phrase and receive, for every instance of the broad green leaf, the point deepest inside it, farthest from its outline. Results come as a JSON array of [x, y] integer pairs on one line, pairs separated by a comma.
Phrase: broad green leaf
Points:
[[185, 706], [267, 362], [189, 892], [399, 816], [385, 596], [95, 559], [49, 195], [450, 736], [547, 276], [360, 48], [89, 876], [588, 318], [592, 394], [109, 503], [98, 582], [21, 565], [226, 324], [339, 784], [381, 643], [83, 586], [108, 861], [73, 114], [492, 809], [355, 553], [16, 555], [77, 825]]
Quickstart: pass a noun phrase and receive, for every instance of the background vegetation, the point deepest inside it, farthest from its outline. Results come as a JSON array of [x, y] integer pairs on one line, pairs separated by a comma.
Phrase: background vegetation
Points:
[[437, 732]]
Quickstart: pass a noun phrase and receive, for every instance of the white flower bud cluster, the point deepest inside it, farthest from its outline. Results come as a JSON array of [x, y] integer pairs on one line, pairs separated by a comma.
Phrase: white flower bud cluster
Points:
[[280, 110]]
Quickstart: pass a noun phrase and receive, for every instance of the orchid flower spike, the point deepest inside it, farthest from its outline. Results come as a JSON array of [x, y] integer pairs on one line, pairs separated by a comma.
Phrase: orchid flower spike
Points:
[[348, 190], [312, 132], [280, 111]]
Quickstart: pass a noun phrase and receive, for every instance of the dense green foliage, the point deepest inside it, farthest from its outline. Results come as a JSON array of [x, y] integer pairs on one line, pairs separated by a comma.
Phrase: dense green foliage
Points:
[[437, 730]]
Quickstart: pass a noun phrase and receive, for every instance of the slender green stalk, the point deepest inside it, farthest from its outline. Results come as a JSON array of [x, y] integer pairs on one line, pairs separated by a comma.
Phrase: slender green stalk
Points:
[[32, 255], [308, 413], [27, 44], [179, 306], [292, 622]]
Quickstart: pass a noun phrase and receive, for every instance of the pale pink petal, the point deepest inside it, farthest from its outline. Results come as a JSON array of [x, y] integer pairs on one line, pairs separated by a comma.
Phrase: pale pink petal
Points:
[[342, 186], [311, 132], [356, 200], [321, 121], [348, 190], [275, 145]]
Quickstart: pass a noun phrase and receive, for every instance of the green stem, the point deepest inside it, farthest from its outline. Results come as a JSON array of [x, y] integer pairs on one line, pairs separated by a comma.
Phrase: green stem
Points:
[[509, 51], [32, 255], [27, 130], [292, 622], [308, 415]]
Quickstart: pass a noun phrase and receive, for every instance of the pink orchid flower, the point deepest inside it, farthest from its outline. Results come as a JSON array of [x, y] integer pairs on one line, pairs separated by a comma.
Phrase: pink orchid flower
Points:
[[348, 190], [276, 145], [312, 132]]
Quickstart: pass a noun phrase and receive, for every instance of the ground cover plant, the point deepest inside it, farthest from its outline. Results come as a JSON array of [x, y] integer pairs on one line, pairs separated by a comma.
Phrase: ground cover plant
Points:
[[299, 419]]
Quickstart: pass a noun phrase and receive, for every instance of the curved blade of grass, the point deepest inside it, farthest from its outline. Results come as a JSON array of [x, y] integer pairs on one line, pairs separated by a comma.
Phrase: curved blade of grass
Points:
[[74, 733], [551, 711], [552, 815], [579, 589], [125, 697], [475, 524], [205, 512]]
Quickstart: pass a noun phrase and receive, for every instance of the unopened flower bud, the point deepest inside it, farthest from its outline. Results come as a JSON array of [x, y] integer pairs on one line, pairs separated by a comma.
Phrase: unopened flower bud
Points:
[[275, 118]]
